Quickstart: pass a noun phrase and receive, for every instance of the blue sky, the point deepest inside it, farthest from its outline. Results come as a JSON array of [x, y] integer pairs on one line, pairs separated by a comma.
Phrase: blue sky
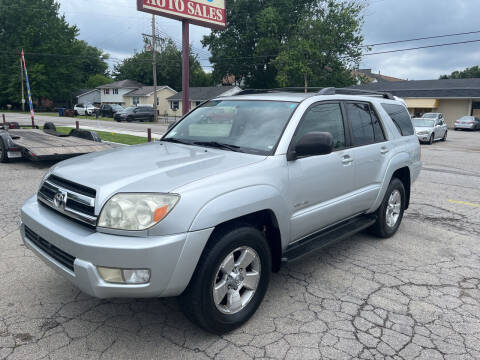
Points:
[[116, 26]]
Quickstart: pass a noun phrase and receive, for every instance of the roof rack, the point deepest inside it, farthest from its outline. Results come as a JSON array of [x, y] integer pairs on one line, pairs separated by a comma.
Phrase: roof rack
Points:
[[277, 90], [347, 91]]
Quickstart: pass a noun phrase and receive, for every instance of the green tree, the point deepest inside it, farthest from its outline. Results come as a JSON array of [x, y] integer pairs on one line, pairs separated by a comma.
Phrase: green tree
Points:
[[97, 80], [324, 47], [58, 63], [274, 42], [169, 67], [468, 73]]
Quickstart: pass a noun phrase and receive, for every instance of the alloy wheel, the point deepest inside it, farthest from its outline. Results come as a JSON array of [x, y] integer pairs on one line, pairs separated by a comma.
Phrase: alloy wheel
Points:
[[236, 280]]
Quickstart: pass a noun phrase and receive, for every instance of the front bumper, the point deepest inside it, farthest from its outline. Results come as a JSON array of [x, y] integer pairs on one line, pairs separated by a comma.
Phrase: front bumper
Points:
[[423, 138], [171, 259]]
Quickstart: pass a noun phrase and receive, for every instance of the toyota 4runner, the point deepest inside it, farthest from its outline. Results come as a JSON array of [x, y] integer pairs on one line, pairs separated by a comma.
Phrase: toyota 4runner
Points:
[[239, 186]]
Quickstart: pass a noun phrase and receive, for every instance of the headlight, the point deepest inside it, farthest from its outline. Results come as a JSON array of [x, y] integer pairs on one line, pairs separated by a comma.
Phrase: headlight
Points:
[[136, 211], [422, 133]]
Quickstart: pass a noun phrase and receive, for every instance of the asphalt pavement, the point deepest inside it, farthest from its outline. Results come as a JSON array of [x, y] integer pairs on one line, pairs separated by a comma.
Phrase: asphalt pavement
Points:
[[414, 296]]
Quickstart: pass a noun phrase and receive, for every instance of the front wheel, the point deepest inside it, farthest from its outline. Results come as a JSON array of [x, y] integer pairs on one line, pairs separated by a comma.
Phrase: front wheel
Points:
[[430, 141], [390, 212], [230, 280], [445, 136]]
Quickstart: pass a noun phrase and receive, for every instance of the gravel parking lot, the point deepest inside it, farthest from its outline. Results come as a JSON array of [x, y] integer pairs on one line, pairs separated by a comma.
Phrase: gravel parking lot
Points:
[[415, 296]]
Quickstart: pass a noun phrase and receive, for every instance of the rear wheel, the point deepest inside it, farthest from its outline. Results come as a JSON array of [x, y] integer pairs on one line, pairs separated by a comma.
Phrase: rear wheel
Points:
[[445, 136], [390, 212], [230, 280], [129, 119]]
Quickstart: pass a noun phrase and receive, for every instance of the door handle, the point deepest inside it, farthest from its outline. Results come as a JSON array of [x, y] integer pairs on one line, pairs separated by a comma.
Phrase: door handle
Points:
[[347, 160], [384, 151]]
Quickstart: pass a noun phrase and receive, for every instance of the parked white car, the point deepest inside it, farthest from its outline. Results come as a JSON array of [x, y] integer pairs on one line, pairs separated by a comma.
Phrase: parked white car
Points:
[[84, 109]]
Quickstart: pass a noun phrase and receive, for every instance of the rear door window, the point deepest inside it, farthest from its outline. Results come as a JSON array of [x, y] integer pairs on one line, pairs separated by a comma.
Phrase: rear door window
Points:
[[360, 118], [400, 118]]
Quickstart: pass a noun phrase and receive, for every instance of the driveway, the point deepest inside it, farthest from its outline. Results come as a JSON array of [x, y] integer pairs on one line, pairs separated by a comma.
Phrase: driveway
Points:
[[414, 296]]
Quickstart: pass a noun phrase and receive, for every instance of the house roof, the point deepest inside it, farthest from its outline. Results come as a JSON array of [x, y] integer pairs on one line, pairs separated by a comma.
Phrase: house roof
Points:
[[379, 77], [204, 93], [147, 90], [128, 84], [448, 88], [82, 92]]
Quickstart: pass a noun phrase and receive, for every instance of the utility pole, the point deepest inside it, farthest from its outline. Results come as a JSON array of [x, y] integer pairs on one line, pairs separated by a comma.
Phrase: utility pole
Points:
[[154, 61], [23, 91], [185, 67]]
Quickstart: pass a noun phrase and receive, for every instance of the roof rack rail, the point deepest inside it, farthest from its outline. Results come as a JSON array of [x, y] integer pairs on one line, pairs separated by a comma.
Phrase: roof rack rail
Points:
[[276, 90], [347, 91]]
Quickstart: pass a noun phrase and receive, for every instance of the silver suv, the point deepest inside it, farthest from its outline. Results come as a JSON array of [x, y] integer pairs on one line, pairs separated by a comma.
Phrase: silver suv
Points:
[[239, 186]]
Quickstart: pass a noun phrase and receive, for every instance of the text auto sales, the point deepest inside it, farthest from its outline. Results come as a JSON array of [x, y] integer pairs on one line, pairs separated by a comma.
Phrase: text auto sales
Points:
[[188, 7]]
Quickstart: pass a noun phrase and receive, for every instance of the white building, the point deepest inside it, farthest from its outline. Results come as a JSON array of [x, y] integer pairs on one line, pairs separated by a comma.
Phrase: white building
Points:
[[114, 93]]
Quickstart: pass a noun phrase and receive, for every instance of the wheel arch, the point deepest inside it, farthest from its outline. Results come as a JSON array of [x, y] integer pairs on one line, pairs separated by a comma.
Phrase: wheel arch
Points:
[[259, 206]]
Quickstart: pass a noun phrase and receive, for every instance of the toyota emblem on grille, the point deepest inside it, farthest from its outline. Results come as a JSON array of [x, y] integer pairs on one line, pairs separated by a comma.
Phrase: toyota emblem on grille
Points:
[[59, 200]]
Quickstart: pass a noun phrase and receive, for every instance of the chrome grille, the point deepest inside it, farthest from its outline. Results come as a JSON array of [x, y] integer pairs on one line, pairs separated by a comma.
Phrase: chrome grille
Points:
[[70, 199]]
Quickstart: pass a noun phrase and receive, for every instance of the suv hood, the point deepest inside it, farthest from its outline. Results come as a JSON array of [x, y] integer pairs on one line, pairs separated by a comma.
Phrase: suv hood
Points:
[[154, 167]]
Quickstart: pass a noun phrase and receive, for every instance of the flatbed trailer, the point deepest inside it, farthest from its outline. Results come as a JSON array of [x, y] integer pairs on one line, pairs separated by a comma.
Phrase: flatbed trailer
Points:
[[47, 144]]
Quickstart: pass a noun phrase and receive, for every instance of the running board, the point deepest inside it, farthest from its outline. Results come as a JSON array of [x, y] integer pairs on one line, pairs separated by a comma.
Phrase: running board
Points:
[[328, 237]]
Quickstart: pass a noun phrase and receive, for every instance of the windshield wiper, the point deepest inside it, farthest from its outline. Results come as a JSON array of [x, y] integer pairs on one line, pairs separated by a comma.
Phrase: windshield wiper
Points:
[[218, 145], [177, 141]]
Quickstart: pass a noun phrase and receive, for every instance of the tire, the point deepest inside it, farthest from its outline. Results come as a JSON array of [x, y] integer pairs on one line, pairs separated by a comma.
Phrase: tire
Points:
[[430, 141], [198, 302], [445, 136], [49, 126], [75, 113], [3, 152], [129, 119], [382, 228]]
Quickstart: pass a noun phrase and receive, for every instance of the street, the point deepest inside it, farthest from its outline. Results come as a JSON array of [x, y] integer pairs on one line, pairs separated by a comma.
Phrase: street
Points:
[[413, 296]]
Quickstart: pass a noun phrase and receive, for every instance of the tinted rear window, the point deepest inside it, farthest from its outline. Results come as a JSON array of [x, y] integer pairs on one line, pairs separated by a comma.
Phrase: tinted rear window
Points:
[[401, 118]]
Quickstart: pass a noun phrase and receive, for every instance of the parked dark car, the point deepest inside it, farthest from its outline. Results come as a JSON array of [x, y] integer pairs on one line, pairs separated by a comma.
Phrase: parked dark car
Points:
[[136, 113], [109, 110]]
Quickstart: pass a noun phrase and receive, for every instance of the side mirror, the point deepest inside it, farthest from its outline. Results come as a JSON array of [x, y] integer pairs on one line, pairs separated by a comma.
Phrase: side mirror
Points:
[[312, 144]]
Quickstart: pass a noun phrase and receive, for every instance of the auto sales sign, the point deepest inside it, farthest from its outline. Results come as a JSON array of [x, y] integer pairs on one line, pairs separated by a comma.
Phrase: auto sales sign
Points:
[[208, 13]]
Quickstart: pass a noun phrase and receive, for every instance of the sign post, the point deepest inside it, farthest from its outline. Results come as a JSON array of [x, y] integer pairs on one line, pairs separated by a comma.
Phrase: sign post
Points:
[[29, 93], [208, 13]]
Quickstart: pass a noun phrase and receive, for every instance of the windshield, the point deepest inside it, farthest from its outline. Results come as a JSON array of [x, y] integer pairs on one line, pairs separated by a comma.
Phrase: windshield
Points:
[[130, 109], [423, 123], [243, 125], [430, 116], [117, 107]]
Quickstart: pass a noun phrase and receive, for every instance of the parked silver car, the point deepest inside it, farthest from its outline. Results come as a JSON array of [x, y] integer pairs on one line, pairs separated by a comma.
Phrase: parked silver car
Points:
[[239, 186], [467, 123], [430, 130]]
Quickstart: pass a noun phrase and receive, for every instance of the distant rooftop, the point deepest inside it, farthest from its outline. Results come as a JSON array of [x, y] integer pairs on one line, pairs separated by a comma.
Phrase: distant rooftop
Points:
[[128, 84], [206, 93], [445, 88], [147, 90]]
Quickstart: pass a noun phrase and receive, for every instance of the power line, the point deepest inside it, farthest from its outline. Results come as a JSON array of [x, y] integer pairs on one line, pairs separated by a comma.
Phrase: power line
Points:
[[422, 47], [423, 38]]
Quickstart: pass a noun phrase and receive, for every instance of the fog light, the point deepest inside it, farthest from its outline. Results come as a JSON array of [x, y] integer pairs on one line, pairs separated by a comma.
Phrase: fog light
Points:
[[124, 276]]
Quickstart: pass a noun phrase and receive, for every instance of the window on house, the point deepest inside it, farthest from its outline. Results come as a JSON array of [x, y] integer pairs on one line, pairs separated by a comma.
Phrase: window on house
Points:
[[174, 105], [115, 91], [136, 100], [106, 91]]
